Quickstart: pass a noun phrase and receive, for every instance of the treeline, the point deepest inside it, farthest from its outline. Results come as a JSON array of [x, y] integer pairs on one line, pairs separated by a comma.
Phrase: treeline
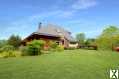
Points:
[[107, 40], [13, 41]]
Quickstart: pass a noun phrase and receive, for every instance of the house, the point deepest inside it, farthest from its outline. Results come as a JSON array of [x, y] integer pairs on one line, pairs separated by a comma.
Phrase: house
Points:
[[54, 33]]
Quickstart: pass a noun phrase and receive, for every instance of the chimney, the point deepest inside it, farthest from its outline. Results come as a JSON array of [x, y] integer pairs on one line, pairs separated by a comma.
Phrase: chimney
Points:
[[39, 25]]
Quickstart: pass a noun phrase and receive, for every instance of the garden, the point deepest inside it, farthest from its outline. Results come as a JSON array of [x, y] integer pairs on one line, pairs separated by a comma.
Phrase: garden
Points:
[[107, 40], [33, 62]]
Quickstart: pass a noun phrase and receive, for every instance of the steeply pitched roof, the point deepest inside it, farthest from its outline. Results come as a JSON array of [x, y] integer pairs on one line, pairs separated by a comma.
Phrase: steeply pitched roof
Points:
[[55, 30]]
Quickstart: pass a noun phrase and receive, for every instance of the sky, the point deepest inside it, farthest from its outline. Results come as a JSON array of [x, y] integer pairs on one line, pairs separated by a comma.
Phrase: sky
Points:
[[21, 17]]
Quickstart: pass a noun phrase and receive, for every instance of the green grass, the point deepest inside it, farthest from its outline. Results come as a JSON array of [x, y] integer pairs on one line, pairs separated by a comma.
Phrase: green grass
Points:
[[70, 64]]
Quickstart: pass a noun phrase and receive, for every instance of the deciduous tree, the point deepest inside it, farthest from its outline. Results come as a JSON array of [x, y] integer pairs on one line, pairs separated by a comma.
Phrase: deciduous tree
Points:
[[14, 40], [81, 38]]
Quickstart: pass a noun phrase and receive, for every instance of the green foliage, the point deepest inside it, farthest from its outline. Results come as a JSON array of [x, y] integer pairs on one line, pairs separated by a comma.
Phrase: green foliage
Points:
[[11, 54], [81, 38], [14, 41], [60, 48], [35, 47], [55, 47], [109, 38], [7, 48], [89, 42], [8, 54], [7, 51], [3, 43], [24, 51], [17, 53], [110, 31]]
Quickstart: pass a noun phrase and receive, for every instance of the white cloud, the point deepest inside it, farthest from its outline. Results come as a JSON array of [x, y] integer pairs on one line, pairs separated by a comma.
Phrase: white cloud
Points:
[[77, 5], [53, 14], [84, 4], [66, 14]]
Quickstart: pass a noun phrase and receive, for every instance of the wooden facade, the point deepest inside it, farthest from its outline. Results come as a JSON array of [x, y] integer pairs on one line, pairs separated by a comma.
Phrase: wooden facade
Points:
[[47, 38], [51, 33]]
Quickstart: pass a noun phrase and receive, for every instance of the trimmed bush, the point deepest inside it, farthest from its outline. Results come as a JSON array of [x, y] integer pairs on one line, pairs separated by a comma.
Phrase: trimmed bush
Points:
[[34, 47]]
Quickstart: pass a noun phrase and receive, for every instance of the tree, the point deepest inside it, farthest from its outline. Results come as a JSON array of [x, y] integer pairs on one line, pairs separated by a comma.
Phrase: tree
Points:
[[3, 43], [110, 31], [109, 38], [15, 41], [90, 41], [81, 38]]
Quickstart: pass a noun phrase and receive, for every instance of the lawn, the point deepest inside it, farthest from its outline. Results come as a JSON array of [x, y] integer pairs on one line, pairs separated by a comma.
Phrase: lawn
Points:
[[70, 64]]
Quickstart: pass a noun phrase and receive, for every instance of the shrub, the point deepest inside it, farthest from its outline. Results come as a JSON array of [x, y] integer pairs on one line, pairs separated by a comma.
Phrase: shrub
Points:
[[34, 47], [53, 45], [11, 54], [5, 54], [7, 48], [24, 51], [9, 51], [17, 53], [60, 48], [8, 54]]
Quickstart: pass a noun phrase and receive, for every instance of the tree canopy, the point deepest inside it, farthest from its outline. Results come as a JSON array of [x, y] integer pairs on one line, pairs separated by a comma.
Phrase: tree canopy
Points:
[[80, 38], [109, 38], [3, 43], [14, 40]]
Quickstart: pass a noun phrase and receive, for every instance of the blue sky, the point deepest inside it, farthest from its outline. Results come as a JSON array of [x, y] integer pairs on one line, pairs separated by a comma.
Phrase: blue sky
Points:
[[89, 16]]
